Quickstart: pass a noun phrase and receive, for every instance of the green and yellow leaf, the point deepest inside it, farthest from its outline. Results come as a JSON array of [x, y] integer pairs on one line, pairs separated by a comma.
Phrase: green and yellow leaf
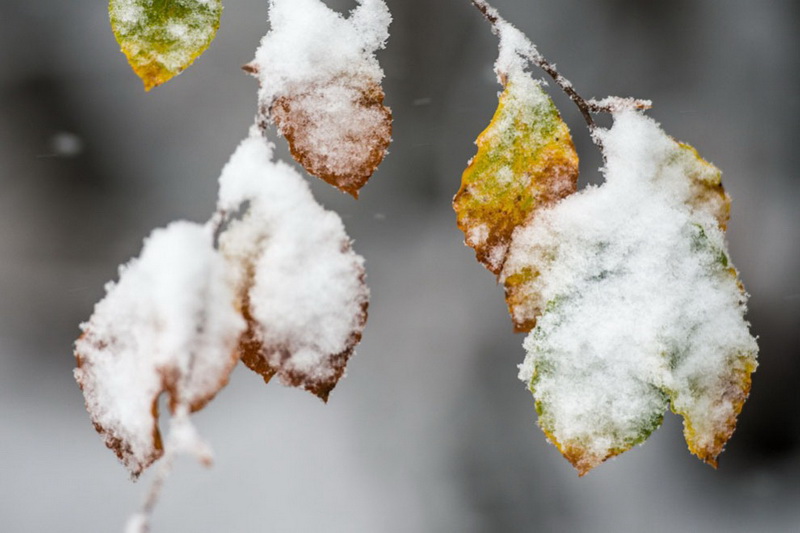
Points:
[[526, 160], [575, 411], [161, 38]]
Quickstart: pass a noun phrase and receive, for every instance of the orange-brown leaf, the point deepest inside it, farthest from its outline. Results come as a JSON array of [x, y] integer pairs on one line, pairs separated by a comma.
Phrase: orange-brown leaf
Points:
[[300, 286], [339, 131]]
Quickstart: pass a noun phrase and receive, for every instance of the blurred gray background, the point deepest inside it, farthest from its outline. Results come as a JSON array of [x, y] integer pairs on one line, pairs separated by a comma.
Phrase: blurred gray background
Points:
[[431, 431]]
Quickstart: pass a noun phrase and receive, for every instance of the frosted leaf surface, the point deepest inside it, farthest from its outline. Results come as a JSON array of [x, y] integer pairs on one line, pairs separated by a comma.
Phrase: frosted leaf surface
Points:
[[301, 287], [168, 325], [637, 303], [320, 83], [163, 37]]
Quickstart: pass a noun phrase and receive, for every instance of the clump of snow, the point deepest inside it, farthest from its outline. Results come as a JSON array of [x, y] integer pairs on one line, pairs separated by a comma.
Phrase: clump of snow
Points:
[[515, 50], [138, 523], [169, 324], [309, 43], [183, 438], [617, 104], [296, 273], [320, 83], [639, 304]]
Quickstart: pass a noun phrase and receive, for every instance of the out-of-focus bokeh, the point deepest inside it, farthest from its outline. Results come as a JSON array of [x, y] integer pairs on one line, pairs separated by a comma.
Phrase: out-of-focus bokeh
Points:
[[431, 431]]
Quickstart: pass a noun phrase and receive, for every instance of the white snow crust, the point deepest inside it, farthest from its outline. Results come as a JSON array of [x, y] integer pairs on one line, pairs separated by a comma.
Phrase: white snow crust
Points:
[[310, 44]]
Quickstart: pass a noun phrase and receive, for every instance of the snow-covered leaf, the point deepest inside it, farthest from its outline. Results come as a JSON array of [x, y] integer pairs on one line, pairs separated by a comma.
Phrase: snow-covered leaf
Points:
[[300, 285], [161, 38], [169, 325], [320, 83], [637, 304]]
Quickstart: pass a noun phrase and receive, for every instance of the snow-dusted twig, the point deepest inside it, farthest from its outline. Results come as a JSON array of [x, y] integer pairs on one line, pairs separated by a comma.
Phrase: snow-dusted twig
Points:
[[586, 107], [182, 439]]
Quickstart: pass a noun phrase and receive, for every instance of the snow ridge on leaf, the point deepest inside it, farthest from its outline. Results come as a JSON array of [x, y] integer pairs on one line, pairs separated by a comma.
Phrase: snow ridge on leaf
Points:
[[161, 38], [320, 83]]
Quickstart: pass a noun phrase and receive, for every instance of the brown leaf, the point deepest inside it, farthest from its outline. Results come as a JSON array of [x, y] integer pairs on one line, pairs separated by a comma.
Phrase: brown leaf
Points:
[[269, 360], [339, 131]]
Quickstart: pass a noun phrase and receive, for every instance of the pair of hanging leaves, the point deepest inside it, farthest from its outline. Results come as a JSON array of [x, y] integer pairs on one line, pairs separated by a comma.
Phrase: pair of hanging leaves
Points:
[[272, 281], [627, 290], [320, 81]]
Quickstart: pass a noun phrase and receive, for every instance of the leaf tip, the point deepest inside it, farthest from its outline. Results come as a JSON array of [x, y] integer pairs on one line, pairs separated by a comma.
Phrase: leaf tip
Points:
[[251, 68]]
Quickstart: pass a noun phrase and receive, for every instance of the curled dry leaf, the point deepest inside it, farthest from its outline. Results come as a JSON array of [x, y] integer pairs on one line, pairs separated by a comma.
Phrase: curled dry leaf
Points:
[[161, 38], [637, 306], [320, 83], [301, 287], [168, 326]]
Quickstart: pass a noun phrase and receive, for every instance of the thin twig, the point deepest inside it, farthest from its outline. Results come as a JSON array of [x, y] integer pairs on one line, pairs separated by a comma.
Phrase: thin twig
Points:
[[586, 107], [488, 11], [140, 522]]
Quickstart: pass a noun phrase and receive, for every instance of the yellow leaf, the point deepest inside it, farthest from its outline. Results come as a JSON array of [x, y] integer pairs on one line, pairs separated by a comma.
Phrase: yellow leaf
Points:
[[526, 161]]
